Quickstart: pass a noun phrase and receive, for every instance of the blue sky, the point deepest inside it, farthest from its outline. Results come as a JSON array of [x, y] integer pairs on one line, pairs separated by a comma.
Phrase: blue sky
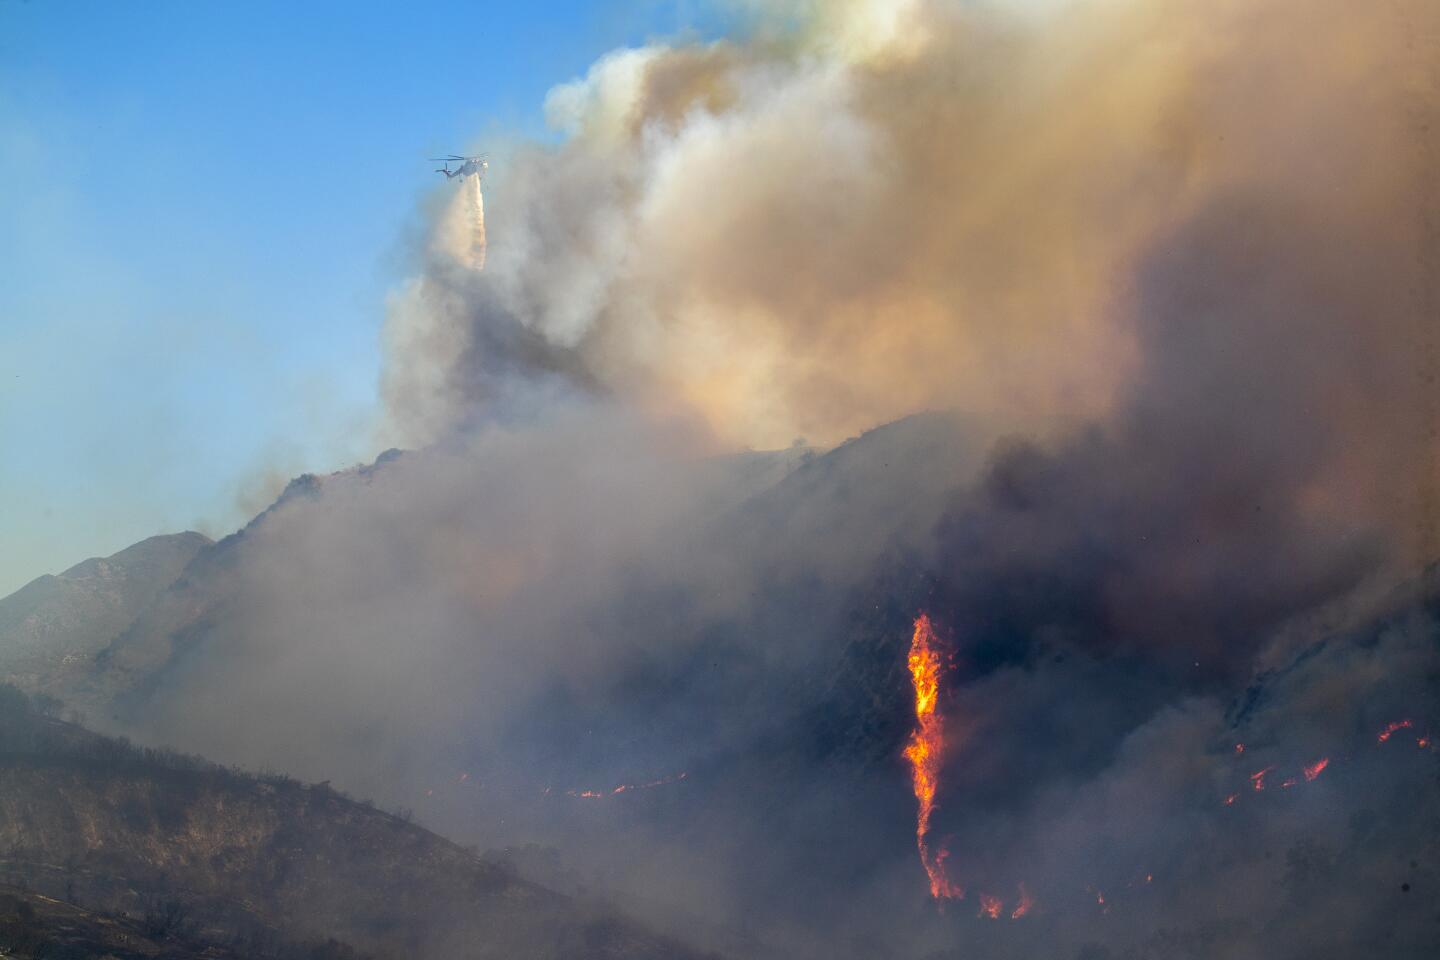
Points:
[[202, 207]]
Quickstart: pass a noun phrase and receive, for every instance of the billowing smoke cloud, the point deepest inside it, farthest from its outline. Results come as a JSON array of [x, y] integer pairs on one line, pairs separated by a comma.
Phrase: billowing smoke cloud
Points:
[[938, 204], [1173, 266]]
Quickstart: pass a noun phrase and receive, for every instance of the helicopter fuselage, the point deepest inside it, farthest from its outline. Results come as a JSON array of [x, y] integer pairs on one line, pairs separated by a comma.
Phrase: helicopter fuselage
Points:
[[471, 168]]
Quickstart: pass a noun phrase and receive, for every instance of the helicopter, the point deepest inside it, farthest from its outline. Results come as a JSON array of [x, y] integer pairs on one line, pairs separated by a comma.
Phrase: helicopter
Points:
[[469, 166]]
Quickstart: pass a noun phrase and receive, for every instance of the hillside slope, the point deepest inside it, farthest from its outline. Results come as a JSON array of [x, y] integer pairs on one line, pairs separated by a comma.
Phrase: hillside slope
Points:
[[36, 927], [51, 627], [128, 662], [95, 821]]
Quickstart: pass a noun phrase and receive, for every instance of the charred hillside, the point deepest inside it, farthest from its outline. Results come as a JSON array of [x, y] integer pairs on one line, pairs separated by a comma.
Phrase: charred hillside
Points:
[[36, 927], [265, 860]]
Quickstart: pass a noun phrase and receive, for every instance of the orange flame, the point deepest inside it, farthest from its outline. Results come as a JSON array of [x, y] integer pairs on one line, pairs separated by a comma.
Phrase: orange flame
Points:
[[1391, 729], [1316, 768], [924, 750], [990, 906], [1258, 778], [624, 788], [1023, 907]]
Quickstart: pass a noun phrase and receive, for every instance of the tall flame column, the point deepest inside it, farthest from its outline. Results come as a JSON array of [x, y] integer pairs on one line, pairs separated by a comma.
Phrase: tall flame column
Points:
[[925, 750]]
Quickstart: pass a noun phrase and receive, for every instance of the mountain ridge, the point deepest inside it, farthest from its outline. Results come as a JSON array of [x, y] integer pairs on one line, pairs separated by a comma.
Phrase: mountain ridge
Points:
[[56, 623]]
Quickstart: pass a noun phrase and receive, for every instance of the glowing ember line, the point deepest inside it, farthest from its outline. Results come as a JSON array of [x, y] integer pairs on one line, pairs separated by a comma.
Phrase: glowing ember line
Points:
[[1316, 768], [1258, 778], [927, 743], [623, 788], [1023, 907], [1392, 728]]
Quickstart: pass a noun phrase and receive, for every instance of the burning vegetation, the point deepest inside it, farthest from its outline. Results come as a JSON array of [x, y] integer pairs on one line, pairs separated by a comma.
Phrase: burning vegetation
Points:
[[1393, 728], [925, 752], [626, 788]]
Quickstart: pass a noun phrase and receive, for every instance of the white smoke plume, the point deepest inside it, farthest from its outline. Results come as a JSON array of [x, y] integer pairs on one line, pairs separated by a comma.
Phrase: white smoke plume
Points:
[[871, 208]]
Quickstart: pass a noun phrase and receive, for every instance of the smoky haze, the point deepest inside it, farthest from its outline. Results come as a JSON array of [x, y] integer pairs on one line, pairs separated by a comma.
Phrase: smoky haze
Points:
[[1168, 270]]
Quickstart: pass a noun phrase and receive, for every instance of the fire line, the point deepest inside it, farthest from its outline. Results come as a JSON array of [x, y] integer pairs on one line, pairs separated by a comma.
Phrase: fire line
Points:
[[924, 751]]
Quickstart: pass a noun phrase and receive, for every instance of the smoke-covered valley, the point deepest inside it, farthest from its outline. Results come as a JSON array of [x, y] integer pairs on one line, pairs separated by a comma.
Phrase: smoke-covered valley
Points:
[[1104, 334]]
